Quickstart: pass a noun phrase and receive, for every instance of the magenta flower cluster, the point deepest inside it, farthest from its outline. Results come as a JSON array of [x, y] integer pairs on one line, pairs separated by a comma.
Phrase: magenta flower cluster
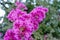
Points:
[[24, 24]]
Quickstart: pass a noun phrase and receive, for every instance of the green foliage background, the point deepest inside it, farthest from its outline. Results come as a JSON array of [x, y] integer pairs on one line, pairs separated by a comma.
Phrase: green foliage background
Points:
[[50, 26]]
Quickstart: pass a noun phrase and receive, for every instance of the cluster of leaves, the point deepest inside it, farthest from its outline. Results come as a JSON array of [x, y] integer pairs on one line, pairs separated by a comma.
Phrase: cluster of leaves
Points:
[[51, 24]]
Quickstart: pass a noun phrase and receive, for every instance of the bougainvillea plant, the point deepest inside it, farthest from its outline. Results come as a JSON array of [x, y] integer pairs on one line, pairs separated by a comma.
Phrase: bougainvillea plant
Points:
[[24, 24]]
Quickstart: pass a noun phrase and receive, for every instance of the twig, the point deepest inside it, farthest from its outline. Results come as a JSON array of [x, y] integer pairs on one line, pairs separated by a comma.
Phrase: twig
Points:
[[3, 4]]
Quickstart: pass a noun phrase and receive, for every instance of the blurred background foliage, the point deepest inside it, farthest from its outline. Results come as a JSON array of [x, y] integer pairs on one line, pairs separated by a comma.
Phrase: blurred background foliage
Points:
[[50, 27]]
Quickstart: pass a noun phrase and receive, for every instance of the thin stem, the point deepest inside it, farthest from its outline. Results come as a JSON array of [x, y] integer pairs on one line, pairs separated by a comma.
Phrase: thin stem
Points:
[[45, 37]]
